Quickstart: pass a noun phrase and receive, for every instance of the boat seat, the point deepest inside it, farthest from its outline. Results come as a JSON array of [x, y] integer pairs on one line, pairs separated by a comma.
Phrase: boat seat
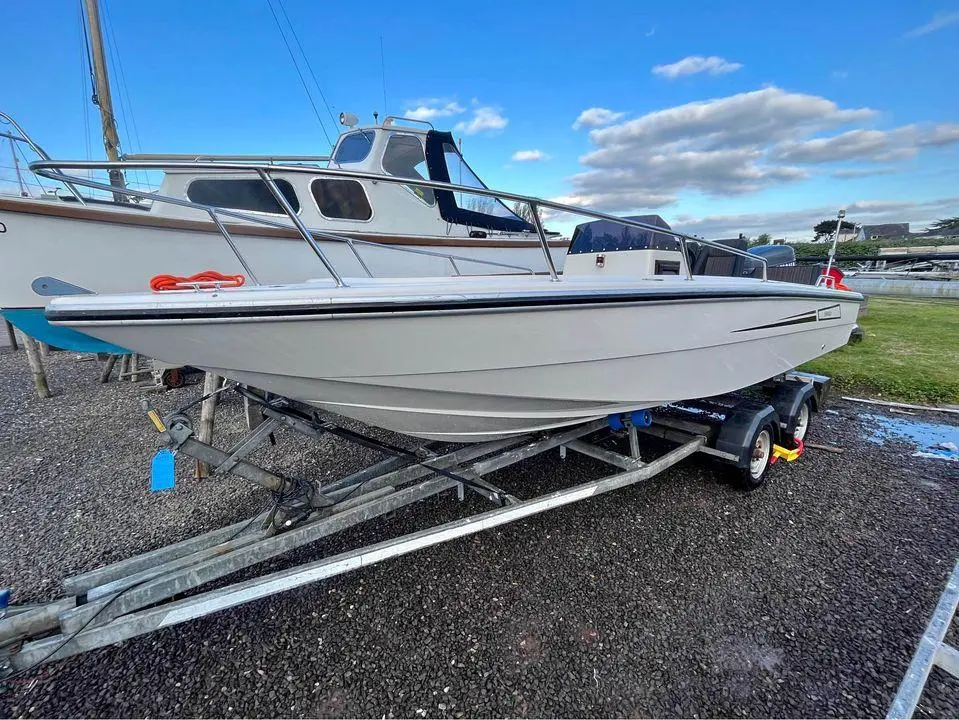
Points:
[[802, 274], [709, 260], [720, 266]]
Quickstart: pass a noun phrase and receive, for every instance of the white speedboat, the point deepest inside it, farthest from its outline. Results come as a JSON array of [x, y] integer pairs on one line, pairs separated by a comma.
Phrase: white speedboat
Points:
[[466, 358], [72, 243]]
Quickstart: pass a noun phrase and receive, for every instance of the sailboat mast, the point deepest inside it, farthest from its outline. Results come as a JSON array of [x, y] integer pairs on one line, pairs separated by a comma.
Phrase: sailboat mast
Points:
[[103, 99]]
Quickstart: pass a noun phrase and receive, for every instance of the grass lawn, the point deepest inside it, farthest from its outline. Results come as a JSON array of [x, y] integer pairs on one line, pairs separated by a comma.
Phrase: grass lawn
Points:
[[910, 353]]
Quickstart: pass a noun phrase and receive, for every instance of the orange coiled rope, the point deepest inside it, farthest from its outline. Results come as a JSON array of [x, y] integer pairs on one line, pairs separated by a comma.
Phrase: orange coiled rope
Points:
[[205, 279]]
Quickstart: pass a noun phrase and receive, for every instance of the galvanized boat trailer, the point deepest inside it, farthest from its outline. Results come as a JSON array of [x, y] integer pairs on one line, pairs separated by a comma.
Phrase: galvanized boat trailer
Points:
[[933, 651], [136, 596]]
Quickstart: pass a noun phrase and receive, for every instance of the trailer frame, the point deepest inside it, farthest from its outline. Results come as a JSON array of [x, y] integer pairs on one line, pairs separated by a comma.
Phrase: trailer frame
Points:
[[145, 593]]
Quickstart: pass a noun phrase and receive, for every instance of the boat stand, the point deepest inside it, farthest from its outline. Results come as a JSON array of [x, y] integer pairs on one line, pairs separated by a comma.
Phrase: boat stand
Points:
[[136, 596]]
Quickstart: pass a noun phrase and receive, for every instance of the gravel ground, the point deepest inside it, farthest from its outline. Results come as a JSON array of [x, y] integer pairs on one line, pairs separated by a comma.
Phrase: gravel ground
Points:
[[678, 597]]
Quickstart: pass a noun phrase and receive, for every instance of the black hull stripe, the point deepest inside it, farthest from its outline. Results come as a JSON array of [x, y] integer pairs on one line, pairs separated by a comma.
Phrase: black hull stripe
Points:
[[782, 323], [499, 303]]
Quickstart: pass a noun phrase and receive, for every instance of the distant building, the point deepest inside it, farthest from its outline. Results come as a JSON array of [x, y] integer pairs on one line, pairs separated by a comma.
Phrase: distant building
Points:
[[885, 231]]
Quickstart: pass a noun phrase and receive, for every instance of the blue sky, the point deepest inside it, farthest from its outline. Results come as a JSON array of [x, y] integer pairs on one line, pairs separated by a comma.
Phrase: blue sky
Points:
[[722, 117]]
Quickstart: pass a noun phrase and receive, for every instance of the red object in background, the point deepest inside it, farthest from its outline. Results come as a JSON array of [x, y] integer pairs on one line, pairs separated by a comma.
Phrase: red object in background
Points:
[[835, 276], [207, 278]]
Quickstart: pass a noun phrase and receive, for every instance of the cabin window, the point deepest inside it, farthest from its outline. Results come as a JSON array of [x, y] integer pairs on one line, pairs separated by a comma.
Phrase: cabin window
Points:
[[354, 148], [251, 195], [341, 199], [404, 157]]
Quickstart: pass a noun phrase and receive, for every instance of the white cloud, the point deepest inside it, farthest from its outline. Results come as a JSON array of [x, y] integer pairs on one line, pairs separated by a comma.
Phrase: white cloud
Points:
[[799, 223], [736, 145], [529, 156], [751, 117], [719, 147], [694, 64], [846, 173], [484, 118], [433, 108], [873, 145], [939, 21], [596, 117], [868, 145], [943, 134]]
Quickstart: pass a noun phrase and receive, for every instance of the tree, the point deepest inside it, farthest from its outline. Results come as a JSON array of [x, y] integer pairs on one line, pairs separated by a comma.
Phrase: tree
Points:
[[764, 239], [481, 204], [523, 210], [827, 228], [945, 225]]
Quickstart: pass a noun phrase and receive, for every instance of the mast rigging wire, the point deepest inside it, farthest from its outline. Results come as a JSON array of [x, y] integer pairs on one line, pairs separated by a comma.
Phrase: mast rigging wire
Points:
[[23, 154], [117, 59], [89, 56], [299, 73], [383, 74], [126, 108], [87, 30], [84, 69], [306, 59]]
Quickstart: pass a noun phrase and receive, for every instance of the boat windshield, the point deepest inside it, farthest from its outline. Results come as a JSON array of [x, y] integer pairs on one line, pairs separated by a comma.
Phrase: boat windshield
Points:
[[404, 157], [462, 174], [606, 236]]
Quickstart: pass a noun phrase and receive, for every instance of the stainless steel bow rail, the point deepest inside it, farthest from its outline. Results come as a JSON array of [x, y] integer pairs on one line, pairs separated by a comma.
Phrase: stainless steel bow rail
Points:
[[933, 650], [53, 169], [20, 136], [136, 596], [263, 172]]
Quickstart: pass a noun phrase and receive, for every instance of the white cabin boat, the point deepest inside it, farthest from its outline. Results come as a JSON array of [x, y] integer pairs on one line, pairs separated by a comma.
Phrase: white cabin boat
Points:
[[71, 244]]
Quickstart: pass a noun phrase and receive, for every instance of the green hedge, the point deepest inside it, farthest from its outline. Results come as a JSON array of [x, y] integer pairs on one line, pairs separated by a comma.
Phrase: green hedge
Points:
[[847, 248], [868, 247]]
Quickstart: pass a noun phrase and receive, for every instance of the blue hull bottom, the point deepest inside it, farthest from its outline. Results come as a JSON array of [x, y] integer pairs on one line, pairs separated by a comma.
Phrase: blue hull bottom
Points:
[[33, 322]]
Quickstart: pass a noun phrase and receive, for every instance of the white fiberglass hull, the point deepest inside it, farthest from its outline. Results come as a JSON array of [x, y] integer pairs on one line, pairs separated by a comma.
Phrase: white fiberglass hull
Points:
[[469, 359]]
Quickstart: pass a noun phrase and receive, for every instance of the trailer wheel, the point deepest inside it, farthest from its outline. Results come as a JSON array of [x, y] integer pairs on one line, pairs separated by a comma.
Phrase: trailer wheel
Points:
[[753, 475], [801, 426]]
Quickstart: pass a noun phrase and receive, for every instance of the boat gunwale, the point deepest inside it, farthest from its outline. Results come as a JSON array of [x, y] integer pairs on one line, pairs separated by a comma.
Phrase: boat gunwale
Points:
[[310, 308]]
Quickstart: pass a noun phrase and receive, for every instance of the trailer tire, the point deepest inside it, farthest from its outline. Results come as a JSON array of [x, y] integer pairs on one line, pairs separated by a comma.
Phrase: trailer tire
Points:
[[753, 475], [801, 422]]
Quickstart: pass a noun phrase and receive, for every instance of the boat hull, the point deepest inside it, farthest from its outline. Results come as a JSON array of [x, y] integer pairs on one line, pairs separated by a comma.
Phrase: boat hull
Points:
[[475, 366]]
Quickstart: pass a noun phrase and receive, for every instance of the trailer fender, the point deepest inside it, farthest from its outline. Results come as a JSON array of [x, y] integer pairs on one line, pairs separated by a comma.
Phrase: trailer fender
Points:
[[820, 383], [788, 399], [741, 425]]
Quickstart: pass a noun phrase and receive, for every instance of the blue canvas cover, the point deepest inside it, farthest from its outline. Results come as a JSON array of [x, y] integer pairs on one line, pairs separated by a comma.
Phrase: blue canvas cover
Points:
[[438, 146]]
